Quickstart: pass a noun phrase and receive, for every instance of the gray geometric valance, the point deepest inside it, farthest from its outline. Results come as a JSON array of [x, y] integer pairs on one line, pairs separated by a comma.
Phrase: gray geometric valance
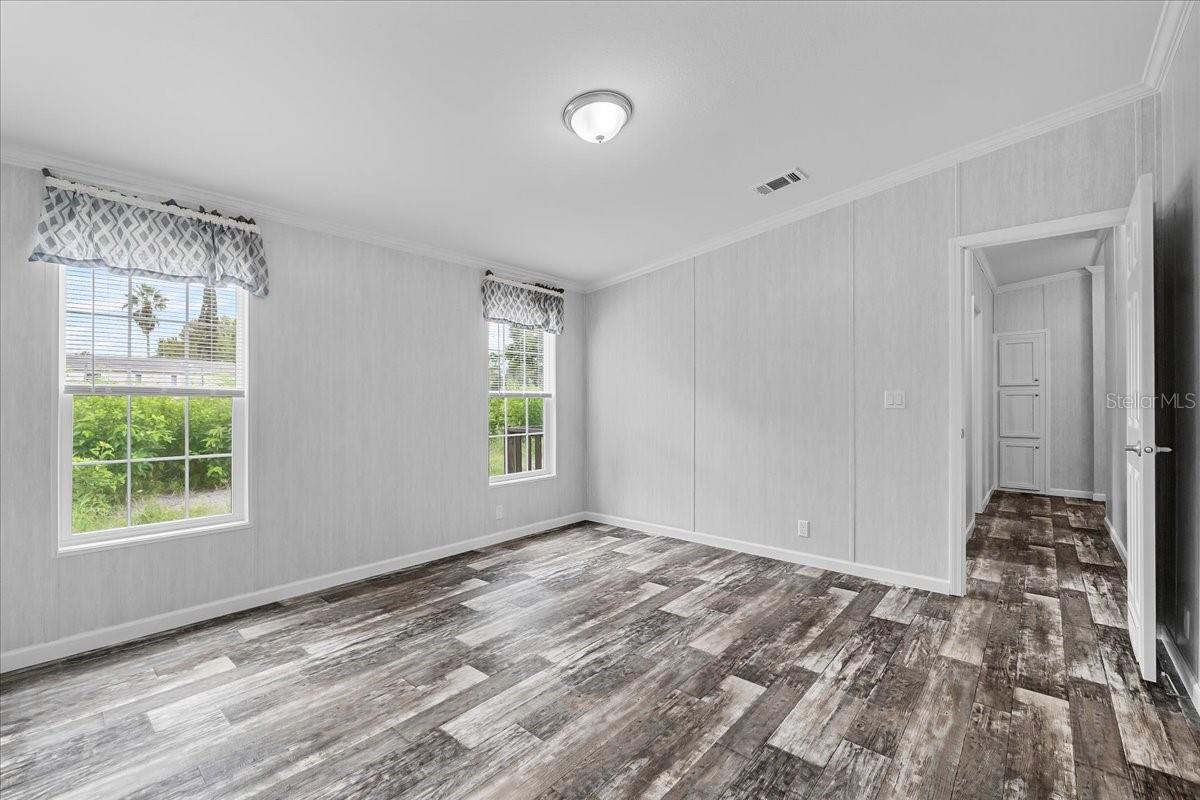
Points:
[[87, 226], [525, 305]]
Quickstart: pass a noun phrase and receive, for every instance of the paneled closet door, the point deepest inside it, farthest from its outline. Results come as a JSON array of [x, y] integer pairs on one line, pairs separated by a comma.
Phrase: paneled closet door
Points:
[[1020, 412], [1021, 463], [1021, 359]]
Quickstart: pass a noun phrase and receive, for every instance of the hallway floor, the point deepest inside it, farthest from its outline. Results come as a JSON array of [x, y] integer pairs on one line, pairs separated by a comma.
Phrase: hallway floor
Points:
[[600, 662]]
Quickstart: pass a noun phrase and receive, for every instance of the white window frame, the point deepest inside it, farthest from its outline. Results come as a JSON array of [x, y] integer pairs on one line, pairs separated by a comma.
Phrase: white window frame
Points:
[[69, 543], [549, 416]]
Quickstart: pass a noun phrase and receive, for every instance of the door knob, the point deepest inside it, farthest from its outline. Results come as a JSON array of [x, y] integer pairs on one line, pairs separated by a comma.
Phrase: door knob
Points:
[[1134, 448]]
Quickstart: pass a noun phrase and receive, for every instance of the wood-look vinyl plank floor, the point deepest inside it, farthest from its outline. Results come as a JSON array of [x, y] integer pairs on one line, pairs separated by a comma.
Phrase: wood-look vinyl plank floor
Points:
[[596, 662]]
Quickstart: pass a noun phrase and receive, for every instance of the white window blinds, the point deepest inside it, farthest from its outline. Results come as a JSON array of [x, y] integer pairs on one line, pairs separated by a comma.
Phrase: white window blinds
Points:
[[127, 334], [516, 361]]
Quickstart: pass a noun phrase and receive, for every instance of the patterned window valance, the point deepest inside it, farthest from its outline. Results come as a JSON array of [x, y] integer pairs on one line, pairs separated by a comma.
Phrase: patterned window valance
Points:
[[525, 305], [88, 226]]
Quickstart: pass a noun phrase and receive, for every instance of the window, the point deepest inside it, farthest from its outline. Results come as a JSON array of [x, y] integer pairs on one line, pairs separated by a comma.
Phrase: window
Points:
[[520, 402], [153, 407]]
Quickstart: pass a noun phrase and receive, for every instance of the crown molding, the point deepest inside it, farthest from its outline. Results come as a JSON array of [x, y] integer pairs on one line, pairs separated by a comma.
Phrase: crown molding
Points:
[[982, 147], [1078, 272], [1171, 24], [148, 186]]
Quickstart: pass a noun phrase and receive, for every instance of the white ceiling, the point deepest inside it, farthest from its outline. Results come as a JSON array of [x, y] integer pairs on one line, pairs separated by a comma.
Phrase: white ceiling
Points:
[[1025, 261], [439, 123]]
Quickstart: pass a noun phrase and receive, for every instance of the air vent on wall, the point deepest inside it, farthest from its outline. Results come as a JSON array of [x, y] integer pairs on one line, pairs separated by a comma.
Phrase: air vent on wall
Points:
[[787, 179]]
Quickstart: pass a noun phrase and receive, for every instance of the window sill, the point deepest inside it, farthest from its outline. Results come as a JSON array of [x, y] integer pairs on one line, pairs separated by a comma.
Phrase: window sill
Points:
[[496, 483], [149, 538]]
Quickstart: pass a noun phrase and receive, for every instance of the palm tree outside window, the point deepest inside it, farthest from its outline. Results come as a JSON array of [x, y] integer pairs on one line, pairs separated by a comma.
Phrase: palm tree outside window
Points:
[[144, 304]]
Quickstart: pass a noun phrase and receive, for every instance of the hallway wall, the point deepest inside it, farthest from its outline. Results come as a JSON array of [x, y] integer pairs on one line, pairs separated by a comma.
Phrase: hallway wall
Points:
[[1114, 384], [985, 352]]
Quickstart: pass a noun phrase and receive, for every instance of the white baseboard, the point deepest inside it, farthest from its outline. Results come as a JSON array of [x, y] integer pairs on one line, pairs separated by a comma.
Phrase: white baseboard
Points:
[[941, 585], [22, 657], [1191, 685], [1069, 493], [983, 504], [1100, 497], [988, 499], [1112, 534], [970, 528]]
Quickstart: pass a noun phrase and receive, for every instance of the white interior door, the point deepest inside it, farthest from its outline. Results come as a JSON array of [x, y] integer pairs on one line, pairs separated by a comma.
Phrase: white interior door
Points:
[[1136, 261]]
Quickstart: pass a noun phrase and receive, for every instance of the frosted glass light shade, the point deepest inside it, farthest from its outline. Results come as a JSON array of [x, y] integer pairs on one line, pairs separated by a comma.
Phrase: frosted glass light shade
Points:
[[597, 117]]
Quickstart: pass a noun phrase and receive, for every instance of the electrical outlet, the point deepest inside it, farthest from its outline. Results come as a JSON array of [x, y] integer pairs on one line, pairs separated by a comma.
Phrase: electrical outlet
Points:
[[499, 512], [893, 398], [802, 528]]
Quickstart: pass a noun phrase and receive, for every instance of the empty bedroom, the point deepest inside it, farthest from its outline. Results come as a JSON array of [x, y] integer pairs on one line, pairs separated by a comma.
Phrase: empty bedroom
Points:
[[728, 400]]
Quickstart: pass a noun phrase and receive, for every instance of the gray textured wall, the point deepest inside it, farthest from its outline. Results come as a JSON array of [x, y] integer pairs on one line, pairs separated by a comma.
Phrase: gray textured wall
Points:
[[795, 428], [360, 358], [1177, 276]]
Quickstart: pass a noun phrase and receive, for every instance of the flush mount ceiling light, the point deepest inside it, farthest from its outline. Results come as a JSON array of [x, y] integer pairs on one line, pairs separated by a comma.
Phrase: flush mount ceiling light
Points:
[[597, 116]]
